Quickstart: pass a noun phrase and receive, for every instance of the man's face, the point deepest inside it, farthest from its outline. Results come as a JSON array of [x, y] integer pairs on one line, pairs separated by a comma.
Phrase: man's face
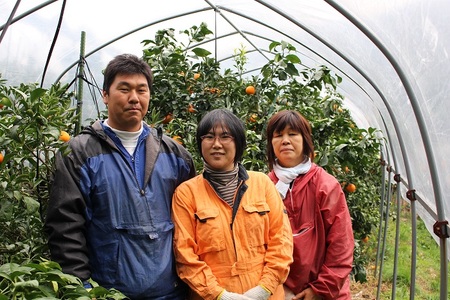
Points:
[[128, 100]]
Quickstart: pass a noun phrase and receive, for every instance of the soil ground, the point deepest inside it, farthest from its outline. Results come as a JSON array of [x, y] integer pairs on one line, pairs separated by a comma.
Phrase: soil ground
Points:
[[366, 290]]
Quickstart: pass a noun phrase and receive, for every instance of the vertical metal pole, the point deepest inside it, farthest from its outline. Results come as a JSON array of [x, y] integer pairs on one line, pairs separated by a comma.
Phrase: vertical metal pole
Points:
[[382, 199], [386, 220], [80, 84], [397, 236]]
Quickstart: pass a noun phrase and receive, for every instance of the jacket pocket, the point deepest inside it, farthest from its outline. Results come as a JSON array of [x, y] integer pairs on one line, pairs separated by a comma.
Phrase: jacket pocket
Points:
[[257, 223], [209, 232], [303, 229]]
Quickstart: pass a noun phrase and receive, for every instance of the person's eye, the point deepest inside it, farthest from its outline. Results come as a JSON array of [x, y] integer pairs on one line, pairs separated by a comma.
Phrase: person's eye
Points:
[[208, 137], [276, 135]]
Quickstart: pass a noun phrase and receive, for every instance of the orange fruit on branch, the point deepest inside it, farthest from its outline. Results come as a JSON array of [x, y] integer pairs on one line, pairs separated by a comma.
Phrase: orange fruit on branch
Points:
[[167, 118], [250, 90], [196, 76], [1, 158], [64, 136], [351, 188], [177, 139], [191, 108]]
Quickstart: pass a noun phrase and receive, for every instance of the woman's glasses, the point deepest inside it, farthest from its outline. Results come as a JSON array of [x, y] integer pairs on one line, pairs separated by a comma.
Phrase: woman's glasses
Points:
[[223, 139]]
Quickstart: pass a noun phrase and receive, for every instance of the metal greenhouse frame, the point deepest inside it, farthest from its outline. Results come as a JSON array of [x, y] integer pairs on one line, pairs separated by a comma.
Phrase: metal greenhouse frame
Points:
[[392, 54]]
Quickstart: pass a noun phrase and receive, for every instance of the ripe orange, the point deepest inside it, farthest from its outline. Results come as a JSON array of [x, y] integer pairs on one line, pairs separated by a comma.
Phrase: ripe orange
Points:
[[366, 239], [346, 169], [250, 90], [351, 188], [64, 136], [191, 108], [196, 76], [1, 158], [167, 118], [253, 118], [177, 139]]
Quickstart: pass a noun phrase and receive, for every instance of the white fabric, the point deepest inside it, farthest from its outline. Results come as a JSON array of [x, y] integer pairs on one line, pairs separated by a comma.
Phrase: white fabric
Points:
[[129, 139], [233, 296], [257, 293], [287, 175]]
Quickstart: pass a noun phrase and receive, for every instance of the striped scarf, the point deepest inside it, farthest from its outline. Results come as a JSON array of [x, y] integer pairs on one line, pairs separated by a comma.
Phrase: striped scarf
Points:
[[224, 182]]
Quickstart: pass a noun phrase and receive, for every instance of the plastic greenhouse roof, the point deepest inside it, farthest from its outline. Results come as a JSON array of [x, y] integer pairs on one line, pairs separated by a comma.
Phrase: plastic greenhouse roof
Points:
[[392, 54]]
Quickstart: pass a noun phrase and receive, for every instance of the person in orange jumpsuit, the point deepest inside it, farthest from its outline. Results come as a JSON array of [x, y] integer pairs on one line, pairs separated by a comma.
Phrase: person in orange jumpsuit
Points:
[[317, 210], [232, 237]]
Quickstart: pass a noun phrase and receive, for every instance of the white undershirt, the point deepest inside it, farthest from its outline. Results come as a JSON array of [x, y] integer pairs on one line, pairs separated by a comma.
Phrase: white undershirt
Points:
[[129, 139]]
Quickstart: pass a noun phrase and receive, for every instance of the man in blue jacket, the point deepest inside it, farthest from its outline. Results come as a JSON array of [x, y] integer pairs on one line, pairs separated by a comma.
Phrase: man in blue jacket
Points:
[[109, 216]]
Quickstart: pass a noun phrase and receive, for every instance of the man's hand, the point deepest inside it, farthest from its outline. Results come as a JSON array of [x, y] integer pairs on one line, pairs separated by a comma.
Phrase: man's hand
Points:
[[307, 294]]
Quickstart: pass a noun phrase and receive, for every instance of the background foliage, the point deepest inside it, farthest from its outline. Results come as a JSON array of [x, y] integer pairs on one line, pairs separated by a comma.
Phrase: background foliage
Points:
[[188, 82]]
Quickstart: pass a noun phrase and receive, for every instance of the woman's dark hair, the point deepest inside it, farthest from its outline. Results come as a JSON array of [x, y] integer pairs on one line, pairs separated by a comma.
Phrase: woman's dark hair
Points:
[[126, 64], [297, 122], [229, 123]]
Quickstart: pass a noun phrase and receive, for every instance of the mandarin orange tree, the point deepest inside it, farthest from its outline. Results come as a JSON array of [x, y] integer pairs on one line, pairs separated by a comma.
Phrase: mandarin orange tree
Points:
[[346, 151], [32, 119]]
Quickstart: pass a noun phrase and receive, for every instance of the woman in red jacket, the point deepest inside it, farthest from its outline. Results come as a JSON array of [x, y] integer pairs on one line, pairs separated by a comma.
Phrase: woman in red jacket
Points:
[[317, 210]]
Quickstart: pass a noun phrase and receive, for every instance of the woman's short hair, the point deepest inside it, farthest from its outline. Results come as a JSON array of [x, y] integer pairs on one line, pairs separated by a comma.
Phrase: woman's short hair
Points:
[[126, 64], [297, 122], [229, 123]]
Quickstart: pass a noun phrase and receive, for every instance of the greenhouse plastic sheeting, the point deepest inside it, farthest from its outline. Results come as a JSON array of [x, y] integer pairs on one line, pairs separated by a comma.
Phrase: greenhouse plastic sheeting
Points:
[[392, 55]]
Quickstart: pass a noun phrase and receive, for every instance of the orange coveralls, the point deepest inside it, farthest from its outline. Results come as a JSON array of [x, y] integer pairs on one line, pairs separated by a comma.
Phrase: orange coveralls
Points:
[[213, 253]]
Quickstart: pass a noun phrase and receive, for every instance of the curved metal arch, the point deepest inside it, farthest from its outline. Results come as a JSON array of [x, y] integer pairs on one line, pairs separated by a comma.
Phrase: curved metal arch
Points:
[[127, 34], [293, 39], [436, 186], [363, 74], [9, 21], [29, 12]]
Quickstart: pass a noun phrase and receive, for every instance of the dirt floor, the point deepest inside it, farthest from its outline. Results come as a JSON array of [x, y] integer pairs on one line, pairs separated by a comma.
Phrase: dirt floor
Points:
[[367, 290]]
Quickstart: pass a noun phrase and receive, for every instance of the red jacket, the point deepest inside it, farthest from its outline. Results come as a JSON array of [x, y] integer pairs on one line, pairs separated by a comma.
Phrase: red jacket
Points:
[[323, 235]]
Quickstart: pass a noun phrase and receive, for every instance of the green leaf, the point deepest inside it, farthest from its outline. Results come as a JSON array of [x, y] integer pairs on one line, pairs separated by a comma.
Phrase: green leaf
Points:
[[273, 45], [14, 133], [29, 283], [36, 94], [293, 58], [31, 204], [6, 101], [291, 70], [201, 52]]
